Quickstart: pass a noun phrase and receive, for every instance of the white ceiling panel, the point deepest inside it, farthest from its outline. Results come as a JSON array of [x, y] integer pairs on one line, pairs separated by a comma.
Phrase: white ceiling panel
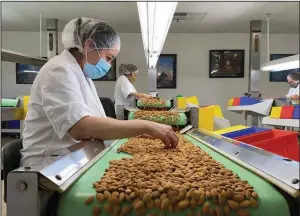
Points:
[[221, 17]]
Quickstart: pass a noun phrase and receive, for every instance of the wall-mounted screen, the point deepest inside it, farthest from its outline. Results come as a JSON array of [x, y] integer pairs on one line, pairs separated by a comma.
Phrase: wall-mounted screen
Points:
[[26, 73]]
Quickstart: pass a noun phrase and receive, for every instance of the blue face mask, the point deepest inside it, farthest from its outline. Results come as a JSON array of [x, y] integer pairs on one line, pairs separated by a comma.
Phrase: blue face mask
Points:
[[96, 71]]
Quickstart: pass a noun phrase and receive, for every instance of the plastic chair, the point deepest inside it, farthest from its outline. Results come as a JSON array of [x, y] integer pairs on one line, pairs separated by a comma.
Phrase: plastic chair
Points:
[[109, 107], [11, 158]]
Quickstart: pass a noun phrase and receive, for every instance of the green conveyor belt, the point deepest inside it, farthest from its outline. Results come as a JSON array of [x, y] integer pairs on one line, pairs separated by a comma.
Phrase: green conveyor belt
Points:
[[271, 202], [166, 105], [182, 121]]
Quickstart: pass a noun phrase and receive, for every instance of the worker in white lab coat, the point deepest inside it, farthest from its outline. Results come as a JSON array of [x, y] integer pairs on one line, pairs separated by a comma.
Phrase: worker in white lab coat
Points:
[[125, 93], [293, 80], [64, 106]]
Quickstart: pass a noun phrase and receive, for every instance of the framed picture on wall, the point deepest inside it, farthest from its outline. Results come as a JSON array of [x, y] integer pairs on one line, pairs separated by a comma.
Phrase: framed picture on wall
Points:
[[25, 73], [167, 71], [112, 73], [280, 76], [226, 63]]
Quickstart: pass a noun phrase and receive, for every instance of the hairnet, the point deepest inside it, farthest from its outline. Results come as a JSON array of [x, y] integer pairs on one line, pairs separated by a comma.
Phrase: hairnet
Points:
[[125, 69], [79, 30], [294, 76]]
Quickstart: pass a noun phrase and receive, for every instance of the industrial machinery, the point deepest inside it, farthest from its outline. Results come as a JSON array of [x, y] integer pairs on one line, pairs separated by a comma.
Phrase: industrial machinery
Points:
[[140, 104], [76, 168], [14, 109]]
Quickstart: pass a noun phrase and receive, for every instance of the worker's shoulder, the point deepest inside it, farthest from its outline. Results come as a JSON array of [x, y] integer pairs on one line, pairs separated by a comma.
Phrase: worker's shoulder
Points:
[[61, 64], [122, 79]]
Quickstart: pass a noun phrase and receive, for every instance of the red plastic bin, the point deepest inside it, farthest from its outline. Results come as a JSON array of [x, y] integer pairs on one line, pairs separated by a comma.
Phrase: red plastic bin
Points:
[[283, 143]]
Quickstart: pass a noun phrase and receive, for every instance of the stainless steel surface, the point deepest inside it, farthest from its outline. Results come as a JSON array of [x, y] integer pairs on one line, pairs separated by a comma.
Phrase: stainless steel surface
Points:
[[52, 38], [282, 102], [281, 122], [120, 112], [68, 165], [255, 49], [11, 56], [152, 79], [23, 194], [186, 129], [194, 116], [285, 170], [175, 102], [7, 113], [71, 161], [153, 93], [74, 177]]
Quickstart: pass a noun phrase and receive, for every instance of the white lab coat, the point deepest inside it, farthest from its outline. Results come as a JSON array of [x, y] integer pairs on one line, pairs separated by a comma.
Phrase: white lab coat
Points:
[[294, 91], [123, 89], [60, 96]]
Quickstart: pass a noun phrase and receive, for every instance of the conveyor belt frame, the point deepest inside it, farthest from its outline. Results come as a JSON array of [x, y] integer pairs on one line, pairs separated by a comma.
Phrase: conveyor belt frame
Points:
[[26, 181]]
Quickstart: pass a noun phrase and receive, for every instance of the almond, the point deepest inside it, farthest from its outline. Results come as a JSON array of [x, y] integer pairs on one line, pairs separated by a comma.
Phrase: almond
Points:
[[96, 211], [182, 205], [255, 195], [232, 204], [206, 207], [157, 203], [238, 198], [242, 212], [253, 202], [122, 197], [245, 204], [99, 197], [89, 200], [165, 204]]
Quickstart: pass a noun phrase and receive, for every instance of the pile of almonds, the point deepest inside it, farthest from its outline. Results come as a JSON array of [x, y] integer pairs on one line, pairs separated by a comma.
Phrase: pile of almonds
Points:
[[152, 102], [158, 181], [165, 117]]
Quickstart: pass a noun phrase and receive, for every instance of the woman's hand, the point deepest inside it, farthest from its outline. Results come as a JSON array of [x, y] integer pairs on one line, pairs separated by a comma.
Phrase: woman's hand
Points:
[[163, 132], [147, 96], [146, 136]]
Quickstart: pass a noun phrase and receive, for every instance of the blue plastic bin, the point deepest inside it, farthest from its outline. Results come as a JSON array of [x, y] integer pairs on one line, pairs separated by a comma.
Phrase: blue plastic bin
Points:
[[296, 112], [248, 101], [14, 124], [245, 132]]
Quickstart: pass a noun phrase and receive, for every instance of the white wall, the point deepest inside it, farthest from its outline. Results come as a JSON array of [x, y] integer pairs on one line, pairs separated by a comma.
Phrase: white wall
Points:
[[192, 65]]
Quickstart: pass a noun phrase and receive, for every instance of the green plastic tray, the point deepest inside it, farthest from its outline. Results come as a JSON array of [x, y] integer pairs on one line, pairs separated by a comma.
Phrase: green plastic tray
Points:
[[271, 202], [181, 121]]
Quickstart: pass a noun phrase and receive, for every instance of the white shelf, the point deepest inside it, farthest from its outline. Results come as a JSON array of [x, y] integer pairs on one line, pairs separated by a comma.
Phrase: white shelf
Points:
[[10, 130], [12, 56], [263, 108], [281, 122]]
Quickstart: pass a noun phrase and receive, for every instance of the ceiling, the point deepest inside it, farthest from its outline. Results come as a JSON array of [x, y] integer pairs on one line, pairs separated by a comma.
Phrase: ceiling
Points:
[[221, 17]]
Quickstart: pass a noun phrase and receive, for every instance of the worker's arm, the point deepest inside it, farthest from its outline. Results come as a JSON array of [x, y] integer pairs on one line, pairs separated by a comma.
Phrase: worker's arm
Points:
[[139, 95], [294, 97], [110, 129]]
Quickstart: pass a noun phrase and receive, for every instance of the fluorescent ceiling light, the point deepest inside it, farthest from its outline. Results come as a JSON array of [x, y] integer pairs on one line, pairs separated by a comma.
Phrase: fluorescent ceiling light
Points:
[[29, 71], [287, 63], [155, 21]]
